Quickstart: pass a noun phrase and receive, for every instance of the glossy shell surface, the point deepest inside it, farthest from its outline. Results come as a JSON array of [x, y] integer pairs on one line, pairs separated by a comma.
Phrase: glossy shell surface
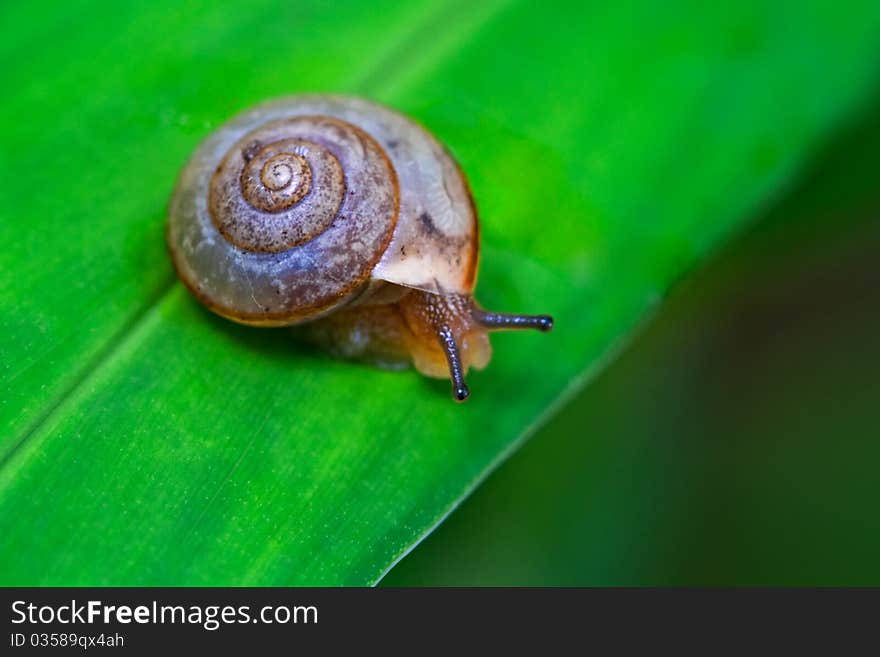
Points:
[[402, 212]]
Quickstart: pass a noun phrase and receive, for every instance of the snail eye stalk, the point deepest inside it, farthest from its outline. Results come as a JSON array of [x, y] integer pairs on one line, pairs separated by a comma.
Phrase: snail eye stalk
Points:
[[447, 342], [500, 321]]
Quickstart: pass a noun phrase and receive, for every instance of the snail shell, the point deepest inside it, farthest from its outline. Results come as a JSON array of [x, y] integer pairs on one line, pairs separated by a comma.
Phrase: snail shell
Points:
[[289, 209], [340, 210]]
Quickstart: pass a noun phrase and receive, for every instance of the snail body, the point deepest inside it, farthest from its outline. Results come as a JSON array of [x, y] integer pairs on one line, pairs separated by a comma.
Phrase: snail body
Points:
[[345, 217]]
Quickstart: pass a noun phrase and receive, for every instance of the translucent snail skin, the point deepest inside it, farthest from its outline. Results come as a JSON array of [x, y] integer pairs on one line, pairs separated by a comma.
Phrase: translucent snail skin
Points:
[[345, 217]]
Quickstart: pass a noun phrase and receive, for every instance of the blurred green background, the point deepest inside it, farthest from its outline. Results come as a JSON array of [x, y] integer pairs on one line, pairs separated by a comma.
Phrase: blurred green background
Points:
[[735, 441]]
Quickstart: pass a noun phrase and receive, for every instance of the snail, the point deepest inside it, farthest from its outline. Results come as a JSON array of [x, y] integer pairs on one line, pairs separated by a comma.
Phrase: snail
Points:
[[347, 219]]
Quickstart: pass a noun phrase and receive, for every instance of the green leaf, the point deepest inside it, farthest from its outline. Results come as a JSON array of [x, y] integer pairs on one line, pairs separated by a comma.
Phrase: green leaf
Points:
[[147, 442]]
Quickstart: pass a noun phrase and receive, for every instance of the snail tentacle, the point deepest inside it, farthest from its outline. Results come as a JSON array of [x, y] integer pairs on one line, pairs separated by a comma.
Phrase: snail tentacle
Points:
[[499, 321], [456, 371]]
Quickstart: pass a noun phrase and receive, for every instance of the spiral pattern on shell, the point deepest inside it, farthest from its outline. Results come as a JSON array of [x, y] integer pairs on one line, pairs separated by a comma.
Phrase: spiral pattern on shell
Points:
[[284, 221], [289, 209]]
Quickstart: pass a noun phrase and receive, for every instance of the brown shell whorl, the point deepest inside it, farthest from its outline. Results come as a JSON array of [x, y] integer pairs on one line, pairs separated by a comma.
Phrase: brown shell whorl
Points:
[[276, 177], [282, 184], [282, 221]]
